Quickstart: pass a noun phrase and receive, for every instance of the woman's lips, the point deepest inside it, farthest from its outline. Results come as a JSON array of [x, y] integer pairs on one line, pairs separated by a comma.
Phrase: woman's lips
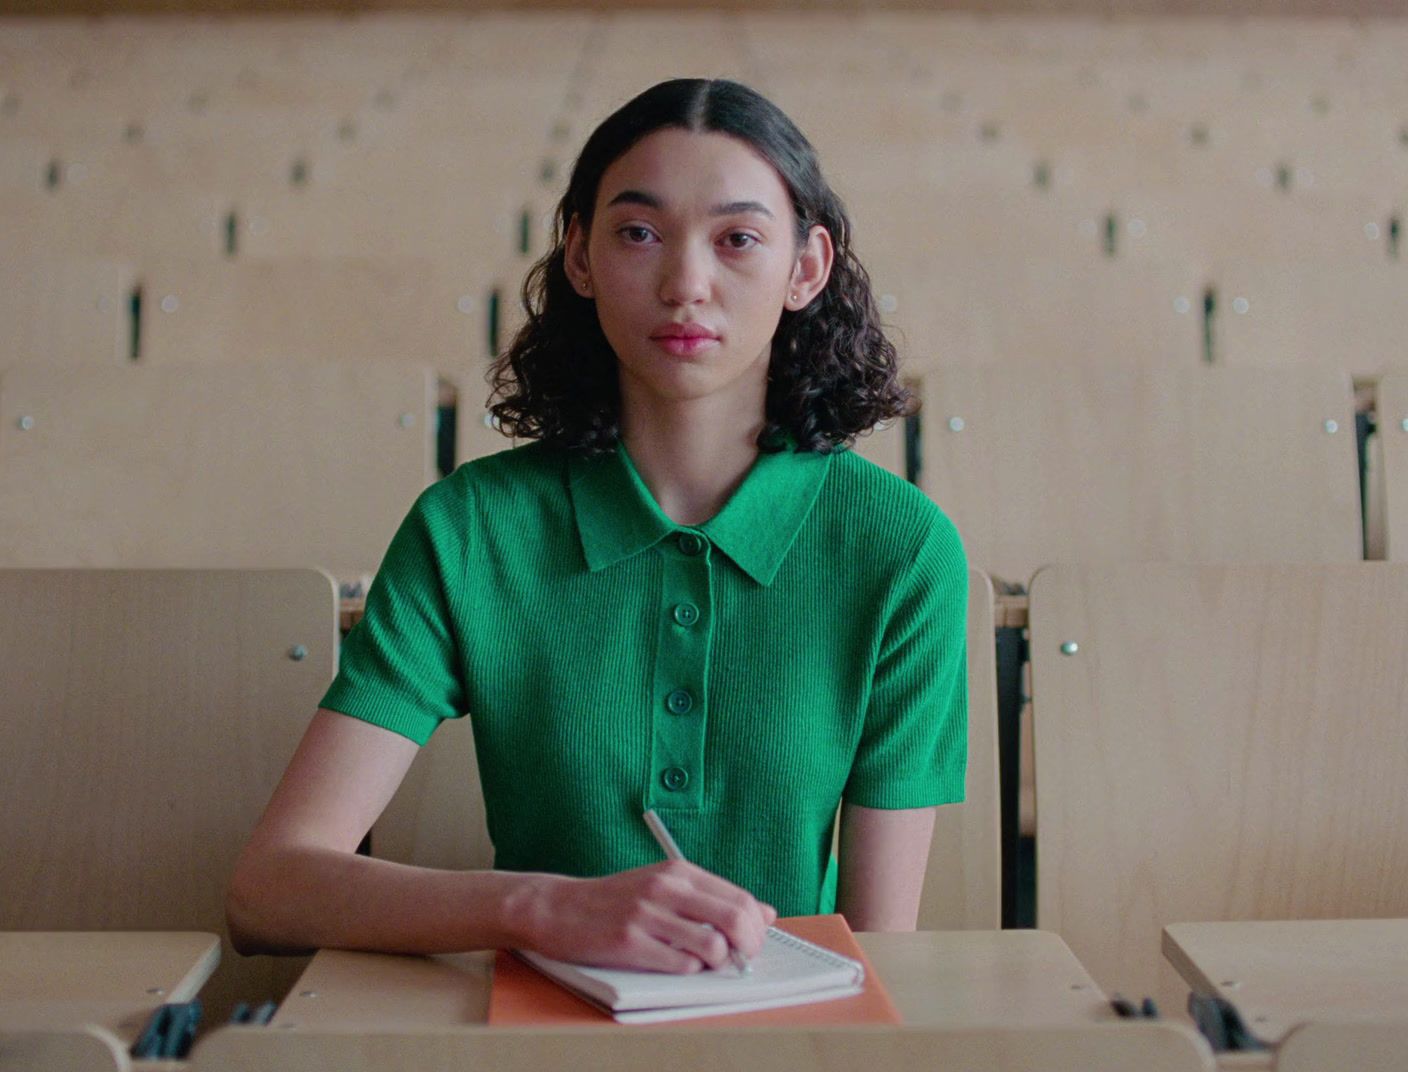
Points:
[[682, 346]]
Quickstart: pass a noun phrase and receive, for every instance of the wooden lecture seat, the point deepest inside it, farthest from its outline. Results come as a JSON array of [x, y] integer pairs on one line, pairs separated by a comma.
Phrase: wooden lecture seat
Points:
[[70, 310], [1216, 742], [87, 218], [301, 308], [1338, 313], [227, 464], [1059, 311], [112, 979], [1281, 973], [1392, 441], [1365, 1045], [1039, 464], [87, 1049], [156, 710], [1220, 222]]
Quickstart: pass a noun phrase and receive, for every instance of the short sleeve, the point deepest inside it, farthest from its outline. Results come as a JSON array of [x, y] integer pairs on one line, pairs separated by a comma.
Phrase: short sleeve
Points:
[[913, 750], [400, 666]]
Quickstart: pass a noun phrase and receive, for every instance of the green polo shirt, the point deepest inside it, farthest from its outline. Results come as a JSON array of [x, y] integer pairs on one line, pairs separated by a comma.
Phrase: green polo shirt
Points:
[[742, 677]]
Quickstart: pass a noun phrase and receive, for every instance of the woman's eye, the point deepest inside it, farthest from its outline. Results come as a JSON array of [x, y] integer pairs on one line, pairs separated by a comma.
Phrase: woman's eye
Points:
[[635, 234], [740, 240]]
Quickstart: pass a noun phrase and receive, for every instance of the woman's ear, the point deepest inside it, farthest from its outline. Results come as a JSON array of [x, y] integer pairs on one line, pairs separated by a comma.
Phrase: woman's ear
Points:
[[812, 270], [575, 259]]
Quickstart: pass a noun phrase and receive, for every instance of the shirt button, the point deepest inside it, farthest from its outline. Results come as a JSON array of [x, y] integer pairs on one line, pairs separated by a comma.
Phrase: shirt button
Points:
[[675, 778], [680, 702], [686, 613], [691, 543]]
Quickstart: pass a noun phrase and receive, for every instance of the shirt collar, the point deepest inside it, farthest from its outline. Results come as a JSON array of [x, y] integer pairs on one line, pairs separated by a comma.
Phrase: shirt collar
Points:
[[617, 517]]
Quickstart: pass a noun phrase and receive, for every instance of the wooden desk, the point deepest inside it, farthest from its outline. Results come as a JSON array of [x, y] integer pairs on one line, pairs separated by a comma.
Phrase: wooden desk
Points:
[[937, 978], [114, 979], [1282, 974]]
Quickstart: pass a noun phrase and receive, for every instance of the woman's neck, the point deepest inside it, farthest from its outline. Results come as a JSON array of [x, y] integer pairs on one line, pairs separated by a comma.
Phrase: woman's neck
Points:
[[693, 454]]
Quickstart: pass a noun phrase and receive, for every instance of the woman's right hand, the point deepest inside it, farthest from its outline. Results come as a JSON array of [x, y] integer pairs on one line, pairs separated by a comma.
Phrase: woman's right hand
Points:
[[669, 917]]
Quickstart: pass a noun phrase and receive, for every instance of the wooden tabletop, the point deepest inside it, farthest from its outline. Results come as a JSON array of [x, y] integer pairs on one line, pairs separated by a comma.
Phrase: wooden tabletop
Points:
[[115, 979], [1282, 974], [937, 978]]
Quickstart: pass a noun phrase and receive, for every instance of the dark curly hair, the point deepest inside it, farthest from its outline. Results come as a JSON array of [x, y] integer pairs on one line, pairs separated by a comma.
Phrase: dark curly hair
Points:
[[833, 374]]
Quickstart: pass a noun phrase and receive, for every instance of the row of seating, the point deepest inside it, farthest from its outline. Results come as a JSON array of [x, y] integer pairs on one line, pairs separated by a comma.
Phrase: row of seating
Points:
[[1213, 742], [283, 463], [1316, 1047], [1065, 222], [1339, 314]]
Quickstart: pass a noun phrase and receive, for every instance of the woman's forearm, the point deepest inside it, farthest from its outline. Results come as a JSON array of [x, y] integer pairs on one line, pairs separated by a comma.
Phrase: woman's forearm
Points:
[[292, 900]]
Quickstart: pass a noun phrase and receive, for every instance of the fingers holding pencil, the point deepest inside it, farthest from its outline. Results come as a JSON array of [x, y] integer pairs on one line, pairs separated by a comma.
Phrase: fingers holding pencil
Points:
[[671, 917]]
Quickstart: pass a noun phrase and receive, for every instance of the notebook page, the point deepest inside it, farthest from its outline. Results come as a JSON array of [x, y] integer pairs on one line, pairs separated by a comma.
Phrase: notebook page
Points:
[[786, 966]]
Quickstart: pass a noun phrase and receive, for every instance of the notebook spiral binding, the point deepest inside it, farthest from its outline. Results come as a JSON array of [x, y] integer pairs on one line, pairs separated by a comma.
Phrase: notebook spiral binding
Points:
[[812, 949]]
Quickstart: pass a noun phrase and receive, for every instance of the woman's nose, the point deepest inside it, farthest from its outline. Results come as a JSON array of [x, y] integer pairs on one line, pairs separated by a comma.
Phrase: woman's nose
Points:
[[686, 276]]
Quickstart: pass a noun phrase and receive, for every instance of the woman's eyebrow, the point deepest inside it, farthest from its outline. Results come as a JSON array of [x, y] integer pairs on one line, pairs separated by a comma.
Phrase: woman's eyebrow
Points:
[[734, 208], [636, 197], [731, 208]]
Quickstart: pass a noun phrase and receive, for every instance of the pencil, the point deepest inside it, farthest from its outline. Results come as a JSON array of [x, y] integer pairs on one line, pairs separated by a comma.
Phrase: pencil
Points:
[[672, 851]]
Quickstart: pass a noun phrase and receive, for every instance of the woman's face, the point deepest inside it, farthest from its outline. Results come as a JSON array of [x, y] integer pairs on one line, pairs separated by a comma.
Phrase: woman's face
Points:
[[691, 259]]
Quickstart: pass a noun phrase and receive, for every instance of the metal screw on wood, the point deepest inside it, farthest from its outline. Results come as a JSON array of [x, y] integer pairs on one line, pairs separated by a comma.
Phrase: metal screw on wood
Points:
[[1070, 647], [298, 653], [1332, 426], [26, 423], [406, 420], [957, 424]]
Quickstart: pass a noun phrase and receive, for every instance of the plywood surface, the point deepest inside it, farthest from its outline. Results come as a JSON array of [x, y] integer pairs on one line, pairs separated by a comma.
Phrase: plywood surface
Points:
[[1283, 973], [250, 465], [155, 711], [936, 978], [1221, 743], [1048, 464], [65, 979]]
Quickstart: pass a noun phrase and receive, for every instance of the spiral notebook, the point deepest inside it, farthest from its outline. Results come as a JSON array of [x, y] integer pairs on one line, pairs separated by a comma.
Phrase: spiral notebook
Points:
[[792, 970]]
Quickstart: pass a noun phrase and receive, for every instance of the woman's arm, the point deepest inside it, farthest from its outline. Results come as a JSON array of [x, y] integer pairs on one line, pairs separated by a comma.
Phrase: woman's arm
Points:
[[883, 857], [299, 883]]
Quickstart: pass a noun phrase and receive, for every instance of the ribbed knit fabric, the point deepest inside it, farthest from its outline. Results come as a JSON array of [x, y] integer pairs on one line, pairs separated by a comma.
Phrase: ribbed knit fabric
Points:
[[742, 677]]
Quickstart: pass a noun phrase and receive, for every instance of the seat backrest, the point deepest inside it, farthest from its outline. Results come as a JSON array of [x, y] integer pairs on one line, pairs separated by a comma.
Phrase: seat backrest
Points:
[[312, 308], [1215, 743], [1338, 313], [963, 884], [68, 310], [237, 465], [1058, 464], [1064, 310], [1111, 1047], [149, 715], [1392, 455]]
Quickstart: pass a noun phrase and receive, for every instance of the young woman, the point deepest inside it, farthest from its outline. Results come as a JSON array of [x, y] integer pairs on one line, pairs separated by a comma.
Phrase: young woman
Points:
[[685, 595]]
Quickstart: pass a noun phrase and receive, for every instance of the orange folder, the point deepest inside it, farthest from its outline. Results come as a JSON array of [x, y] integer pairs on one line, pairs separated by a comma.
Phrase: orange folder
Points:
[[521, 996]]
